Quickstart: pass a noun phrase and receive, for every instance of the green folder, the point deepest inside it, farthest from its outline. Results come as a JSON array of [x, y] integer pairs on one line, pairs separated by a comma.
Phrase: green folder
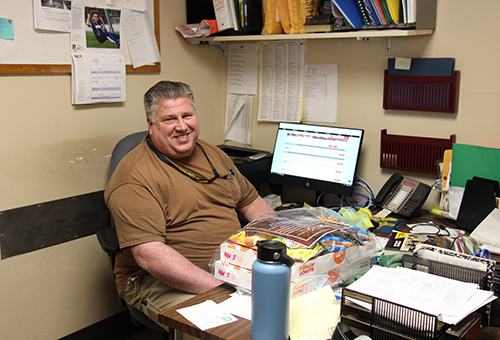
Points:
[[471, 160]]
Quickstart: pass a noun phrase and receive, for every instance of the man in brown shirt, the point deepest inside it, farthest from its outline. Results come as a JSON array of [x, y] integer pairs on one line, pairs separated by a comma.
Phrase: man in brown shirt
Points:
[[174, 199]]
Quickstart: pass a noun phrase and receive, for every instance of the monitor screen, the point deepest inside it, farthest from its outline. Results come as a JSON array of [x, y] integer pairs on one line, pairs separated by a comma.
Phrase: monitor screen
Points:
[[321, 158]]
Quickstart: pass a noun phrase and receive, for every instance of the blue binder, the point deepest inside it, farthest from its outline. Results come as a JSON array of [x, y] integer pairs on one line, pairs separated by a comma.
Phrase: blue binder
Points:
[[350, 12]]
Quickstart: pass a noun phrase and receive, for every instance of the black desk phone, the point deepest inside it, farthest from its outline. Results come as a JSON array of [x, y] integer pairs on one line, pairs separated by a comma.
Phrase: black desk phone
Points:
[[402, 196]]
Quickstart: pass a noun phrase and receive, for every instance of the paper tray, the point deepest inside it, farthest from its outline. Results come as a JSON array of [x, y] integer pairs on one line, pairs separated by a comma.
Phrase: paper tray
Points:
[[385, 320], [421, 93]]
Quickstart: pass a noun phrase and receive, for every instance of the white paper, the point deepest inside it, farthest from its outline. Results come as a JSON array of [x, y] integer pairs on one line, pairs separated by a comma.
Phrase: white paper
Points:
[[140, 37], [242, 68], [136, 5], [239, 118], [52, 15], [239, 305], [281, 81], [320, 95], [450, 300], [486, 233], [97, 78], [207, 315], [455, 200]]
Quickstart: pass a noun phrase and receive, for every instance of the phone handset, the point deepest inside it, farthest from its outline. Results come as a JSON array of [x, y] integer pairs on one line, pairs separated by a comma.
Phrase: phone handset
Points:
[[387, 189], [403, 196]]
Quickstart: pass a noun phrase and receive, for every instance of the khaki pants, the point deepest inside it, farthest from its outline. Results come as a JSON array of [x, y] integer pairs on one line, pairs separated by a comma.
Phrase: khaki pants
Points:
[[150, 296]]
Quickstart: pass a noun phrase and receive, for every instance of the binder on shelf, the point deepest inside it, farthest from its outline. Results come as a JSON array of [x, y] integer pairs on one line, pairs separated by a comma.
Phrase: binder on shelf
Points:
[[223, 14], [393, 6], [411, 10], [198, 10], [385, 9], [372, 11], [380, 11], [350, 11], [392, 14], [234, 15], [253, 14]]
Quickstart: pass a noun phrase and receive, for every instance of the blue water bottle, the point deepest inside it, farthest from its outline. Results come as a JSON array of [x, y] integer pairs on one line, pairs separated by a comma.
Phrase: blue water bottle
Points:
[[271, 292]]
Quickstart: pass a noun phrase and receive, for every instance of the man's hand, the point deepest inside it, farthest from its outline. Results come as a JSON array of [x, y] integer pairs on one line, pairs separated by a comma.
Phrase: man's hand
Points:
[[173, 269]]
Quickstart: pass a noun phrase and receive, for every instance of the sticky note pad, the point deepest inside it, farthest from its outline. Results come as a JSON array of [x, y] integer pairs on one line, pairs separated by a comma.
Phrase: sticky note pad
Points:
[[6, 29]]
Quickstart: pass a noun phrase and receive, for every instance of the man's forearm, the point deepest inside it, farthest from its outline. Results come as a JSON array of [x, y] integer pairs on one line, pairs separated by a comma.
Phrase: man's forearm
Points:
[[254, 209], [173, 269]]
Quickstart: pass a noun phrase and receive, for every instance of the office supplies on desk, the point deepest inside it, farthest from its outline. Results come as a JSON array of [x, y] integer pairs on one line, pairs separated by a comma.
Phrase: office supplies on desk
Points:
[[458, 266], [314, 315], [449, 300], [435, 253], [483, 253], [406, 241], [344, 332], [207, 315], [486, 233]]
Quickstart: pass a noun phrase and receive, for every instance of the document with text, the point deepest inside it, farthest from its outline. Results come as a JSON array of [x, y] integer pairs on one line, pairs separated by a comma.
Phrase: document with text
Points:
[[320, 99], [450, 300], [281, 90]]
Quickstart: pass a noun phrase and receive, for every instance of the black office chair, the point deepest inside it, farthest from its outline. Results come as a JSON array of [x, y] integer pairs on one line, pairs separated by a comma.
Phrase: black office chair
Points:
[[107, 237]]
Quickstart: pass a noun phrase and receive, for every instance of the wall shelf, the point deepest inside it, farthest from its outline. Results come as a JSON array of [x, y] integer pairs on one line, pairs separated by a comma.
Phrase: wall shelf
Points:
[[361, 34]]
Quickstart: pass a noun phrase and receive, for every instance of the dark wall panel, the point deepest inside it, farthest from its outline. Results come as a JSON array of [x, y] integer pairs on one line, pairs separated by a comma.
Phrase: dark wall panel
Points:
[[38, 226]]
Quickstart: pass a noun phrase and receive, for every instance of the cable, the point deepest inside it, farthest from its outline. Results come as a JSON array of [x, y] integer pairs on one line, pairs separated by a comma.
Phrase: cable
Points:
[[344, 201]]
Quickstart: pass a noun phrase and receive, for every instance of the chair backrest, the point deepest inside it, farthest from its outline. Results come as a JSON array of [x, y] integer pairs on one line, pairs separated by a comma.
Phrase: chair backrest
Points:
[[123, 147], [107, 237]]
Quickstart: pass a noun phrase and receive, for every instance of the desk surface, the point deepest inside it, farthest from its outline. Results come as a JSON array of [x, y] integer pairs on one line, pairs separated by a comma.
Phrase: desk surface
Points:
[[239, 330]]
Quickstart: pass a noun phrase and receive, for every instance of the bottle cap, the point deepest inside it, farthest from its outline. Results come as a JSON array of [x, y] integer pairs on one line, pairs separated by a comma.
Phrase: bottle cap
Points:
[[273, 251]]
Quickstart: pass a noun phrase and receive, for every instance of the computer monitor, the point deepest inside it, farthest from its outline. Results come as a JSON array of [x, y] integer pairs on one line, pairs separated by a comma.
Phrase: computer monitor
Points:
[[321, 158]]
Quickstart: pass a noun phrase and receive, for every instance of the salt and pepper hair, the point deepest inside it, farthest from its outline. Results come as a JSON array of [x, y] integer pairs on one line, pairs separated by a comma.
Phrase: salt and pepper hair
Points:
[[165, 90]]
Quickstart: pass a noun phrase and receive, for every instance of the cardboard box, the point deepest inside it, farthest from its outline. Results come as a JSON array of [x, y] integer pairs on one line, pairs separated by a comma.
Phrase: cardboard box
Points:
[[329, 269], [234, 275], [237, 255]]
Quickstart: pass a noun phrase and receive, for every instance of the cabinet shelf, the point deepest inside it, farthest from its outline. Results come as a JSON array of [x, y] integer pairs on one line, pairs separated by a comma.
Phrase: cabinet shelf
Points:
[[362, 34]]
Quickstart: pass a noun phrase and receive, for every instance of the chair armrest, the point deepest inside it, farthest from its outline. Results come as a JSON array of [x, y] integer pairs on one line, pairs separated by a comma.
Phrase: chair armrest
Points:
[[108, 240]]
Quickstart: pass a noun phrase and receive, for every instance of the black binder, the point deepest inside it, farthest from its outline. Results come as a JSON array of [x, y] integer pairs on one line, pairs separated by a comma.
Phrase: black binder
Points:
[[198, 10], [477, 203]]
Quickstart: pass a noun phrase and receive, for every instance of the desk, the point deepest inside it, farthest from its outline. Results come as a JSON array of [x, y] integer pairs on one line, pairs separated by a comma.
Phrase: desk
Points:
[[239, 330]]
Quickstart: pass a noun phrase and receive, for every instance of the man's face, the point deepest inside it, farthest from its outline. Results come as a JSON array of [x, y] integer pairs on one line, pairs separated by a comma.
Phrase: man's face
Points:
[[175, 129]]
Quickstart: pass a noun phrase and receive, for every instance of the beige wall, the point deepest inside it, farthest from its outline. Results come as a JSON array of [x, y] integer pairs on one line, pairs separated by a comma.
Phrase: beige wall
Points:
[[50, 149]]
